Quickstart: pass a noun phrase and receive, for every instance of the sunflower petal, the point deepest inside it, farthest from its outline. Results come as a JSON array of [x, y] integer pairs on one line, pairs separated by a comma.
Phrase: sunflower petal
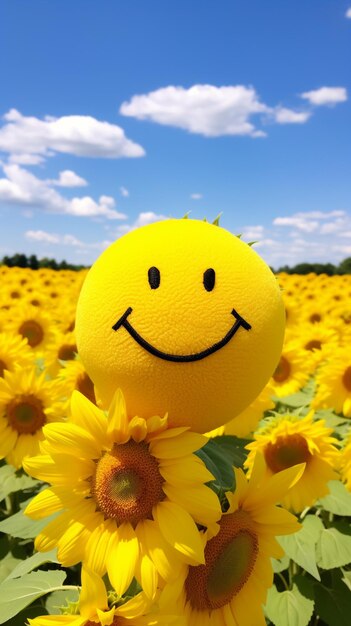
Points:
[[123, 558], [93, 594], [180, 530]]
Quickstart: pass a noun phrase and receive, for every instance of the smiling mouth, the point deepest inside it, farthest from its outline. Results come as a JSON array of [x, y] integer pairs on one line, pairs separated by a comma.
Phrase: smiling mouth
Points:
[[180, 358]]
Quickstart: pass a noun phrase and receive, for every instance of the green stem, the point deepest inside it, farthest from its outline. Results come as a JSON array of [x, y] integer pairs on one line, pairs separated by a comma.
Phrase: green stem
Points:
[[283, 580]]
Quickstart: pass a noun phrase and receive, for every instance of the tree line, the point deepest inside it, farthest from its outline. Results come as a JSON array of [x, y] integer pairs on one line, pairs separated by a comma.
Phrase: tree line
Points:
[[32, 262]]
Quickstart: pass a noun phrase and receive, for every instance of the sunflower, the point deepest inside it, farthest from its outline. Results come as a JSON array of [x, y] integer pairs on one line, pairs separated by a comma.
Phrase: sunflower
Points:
[[334, 383], [76, 377], [63, 350], [14, 353], [32, 324], [345, 464], [288, 440], [130, 493], [27, 403], [246, 422], [230, 588], [319, 340], [293, 370], [95, 609]]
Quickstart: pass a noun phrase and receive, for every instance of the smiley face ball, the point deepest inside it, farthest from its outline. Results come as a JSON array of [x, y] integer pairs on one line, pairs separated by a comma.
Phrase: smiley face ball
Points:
[[185, 318]]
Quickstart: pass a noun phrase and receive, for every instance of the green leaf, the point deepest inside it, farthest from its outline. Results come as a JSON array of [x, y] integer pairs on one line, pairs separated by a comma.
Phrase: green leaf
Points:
[[338, 501], [295, 400], [334, 546], [16, 594], [39, 558], [60, 599], [301, 546], [7, 564], [232, 448], [218, 462], [346, 577], [333, 605], [19, 525], [279, 565], [11, 481], [288, 608], [331, 419]]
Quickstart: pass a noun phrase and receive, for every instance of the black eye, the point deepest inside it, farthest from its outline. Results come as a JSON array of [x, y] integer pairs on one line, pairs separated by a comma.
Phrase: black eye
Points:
[[154, 277], [209, 279]]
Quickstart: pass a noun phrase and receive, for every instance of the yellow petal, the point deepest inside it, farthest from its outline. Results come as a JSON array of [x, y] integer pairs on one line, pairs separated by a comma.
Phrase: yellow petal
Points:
[[274, 488], [7, 442], [123, 558], [135, 607], [148, 576], [72, 439], [180, 530], [26, 445], [106, 618], [117, 418], [93, 594], [163, 555], [45, 503], [200, 501], [185, 470], [57, 620], [171, 448], [86, 415], [99, 546], [138, 429]]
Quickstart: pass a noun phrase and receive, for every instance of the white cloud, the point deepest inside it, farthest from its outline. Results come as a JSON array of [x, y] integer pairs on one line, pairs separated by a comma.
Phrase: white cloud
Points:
[[41, 235], [124, 192], [65, 240], [309, 221], [81, 135], [252, 233], [266, 243], [321, 215], [348, 13], [67, 178], [325, 95], [301, 223], [205, 109], [288, 116], [23, 188], [196, 196], [26, 159], [216, 111]]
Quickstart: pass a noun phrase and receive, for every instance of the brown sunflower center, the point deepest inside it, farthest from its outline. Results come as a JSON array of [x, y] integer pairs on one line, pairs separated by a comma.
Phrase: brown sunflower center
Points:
[[315, 317], [346, 379], [3, 367], [287, 451], [127, 483], [25, 414], [15, 295], [67, 352], [282, 371], [230, 559], [86, 386], [314, 344], [32, 331]]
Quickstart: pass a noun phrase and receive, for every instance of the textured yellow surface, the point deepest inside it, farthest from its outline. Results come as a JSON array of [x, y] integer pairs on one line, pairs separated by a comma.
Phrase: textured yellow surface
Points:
[[180, 317]]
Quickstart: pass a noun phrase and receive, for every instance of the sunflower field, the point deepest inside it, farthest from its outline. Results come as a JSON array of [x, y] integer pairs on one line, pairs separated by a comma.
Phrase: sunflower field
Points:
[[115, 520]]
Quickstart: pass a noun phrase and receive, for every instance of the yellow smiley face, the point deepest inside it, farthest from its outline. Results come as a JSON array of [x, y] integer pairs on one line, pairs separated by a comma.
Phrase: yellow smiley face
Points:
[[185, 318]]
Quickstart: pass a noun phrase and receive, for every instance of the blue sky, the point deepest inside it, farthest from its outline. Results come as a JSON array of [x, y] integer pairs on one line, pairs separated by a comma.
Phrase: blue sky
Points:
[[115, 114]]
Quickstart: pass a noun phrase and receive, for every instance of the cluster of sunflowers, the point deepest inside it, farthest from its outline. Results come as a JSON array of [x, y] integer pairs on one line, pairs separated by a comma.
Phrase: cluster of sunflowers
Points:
[[165, 529]]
